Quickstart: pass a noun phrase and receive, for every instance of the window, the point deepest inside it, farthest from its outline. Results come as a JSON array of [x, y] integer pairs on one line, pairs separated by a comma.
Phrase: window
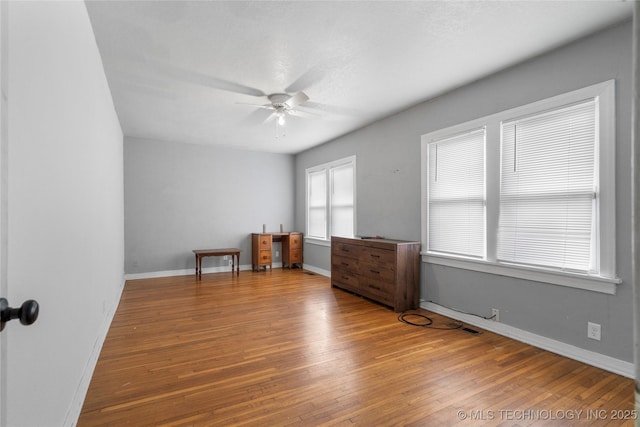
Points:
[[331, 199], [527, 192], [456, 202], [548, 194], [317, 204]]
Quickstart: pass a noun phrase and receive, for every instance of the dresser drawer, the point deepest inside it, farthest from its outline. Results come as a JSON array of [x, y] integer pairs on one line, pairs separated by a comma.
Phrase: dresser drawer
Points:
[[344, 264], [378, 256], [378, 290], [345, 250], [379, 272], [345, 280]]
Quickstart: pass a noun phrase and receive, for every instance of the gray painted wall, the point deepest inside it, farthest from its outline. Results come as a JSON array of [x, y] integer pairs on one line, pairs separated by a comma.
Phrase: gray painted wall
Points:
[[180, 197], [388, 192]]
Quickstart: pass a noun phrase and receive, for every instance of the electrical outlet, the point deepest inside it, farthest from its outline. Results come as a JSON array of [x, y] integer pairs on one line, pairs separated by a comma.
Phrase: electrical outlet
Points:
[[593, 331], [495, 314], [277, 254], [226, 257]]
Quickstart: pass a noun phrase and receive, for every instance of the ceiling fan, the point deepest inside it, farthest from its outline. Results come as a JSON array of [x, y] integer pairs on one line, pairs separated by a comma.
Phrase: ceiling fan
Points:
[[282, 105]]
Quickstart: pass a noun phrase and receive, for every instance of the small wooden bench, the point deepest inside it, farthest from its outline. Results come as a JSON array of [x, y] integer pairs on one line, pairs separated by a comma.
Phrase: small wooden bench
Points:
[[201, 253]]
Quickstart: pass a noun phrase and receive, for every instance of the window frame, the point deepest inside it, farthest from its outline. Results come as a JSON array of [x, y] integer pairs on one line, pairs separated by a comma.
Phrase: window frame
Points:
[[607, 279], [327, 168]]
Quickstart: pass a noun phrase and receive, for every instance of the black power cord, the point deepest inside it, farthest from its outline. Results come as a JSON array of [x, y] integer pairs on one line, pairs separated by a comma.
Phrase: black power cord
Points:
[[426, 321]]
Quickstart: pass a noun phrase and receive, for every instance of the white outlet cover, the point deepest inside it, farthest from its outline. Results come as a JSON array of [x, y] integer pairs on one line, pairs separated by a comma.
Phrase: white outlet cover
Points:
[[594, 331]]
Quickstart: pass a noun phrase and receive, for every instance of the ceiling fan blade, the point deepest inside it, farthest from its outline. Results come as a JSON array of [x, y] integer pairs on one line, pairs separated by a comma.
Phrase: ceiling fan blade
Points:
[[297, 99], [201, 79], [334, 109], [317, 73], [267, 106], [302, 113], [271, 117], [256, 117], [306, 80]]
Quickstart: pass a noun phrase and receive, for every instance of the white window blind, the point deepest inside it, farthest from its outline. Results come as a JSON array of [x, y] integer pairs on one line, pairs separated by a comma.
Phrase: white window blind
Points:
[[331, 199], [317, 200], [342, 200], [456, 195], [548, 189]]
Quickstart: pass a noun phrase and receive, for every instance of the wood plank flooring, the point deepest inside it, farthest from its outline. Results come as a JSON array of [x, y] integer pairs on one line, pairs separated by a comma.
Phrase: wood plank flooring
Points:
[[283, 348]]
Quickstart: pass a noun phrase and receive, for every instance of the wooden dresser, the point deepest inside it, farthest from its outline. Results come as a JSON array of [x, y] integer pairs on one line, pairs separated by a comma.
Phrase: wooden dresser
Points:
[[386, 271], [262, 252]]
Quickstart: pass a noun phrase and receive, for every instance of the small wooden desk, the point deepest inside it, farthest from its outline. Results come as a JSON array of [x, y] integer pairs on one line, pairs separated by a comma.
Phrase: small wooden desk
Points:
[[261, 250], [201, 253]]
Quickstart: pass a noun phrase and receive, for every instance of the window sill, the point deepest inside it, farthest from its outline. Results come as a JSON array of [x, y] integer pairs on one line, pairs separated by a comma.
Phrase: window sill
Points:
[[580, 281], [315, 241]]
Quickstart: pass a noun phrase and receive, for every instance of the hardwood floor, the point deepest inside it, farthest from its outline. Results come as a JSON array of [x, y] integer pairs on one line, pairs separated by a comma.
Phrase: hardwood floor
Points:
[[283, 348]]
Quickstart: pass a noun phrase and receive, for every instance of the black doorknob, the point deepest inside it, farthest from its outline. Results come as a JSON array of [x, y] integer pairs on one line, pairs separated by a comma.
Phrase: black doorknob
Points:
[[27, 313]]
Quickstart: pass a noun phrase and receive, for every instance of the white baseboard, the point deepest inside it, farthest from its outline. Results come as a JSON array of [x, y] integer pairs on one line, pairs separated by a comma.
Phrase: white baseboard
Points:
[[191, 271], [317, 270], [188, 272], [592, 358], [73, 413]]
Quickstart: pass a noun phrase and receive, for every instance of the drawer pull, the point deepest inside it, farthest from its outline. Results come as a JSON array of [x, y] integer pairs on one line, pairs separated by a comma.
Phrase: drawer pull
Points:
[[375, 287], [345, 277], [374, 271], [374, 256], [345, 263]]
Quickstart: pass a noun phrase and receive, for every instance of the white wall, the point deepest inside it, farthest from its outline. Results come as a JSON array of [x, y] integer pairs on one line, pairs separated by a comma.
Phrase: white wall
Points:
[[65, 207]]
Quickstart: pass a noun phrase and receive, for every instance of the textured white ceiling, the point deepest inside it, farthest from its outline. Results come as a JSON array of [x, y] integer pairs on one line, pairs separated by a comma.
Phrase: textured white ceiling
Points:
[[184, 70]]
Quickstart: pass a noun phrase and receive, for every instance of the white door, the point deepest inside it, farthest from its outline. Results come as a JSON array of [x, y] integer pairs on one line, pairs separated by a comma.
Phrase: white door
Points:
[[4, 288], [3, 205]]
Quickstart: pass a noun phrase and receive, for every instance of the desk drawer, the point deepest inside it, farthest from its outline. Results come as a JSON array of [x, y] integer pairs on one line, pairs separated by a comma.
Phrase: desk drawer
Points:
[[295, 241], [264, 242], [295, 256], [264, 257]]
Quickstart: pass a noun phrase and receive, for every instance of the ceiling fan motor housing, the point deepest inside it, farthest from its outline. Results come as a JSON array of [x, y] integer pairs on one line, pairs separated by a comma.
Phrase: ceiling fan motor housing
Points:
[[279, 100]]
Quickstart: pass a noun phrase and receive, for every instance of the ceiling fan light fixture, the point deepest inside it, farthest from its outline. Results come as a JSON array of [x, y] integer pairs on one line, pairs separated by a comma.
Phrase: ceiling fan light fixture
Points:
[[281, 119]]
